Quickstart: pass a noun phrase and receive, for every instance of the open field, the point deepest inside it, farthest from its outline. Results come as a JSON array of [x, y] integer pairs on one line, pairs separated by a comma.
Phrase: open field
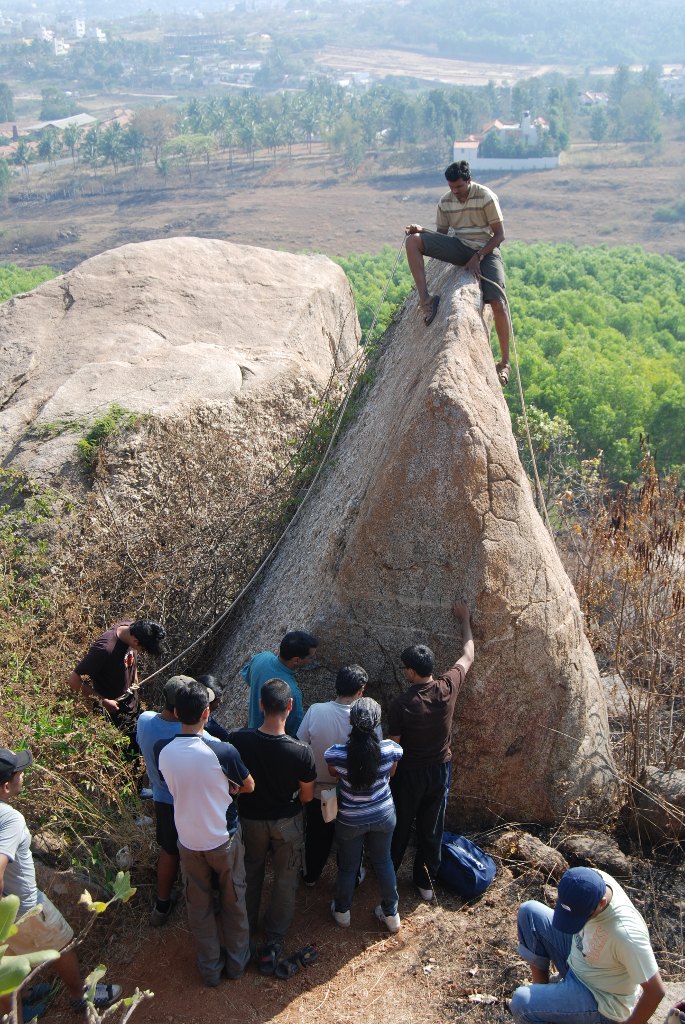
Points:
[[433, 69], [604, 194]]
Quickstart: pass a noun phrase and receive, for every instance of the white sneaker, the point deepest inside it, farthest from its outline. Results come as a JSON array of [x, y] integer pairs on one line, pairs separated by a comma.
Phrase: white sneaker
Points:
[[391, 921], [426, 894], [341, 917]]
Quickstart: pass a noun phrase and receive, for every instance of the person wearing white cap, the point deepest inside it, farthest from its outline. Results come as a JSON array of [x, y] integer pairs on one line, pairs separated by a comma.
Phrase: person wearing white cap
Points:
[[600, 946]]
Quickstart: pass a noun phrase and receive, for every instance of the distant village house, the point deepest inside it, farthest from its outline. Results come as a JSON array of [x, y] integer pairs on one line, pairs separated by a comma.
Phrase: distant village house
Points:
[[509, 147]]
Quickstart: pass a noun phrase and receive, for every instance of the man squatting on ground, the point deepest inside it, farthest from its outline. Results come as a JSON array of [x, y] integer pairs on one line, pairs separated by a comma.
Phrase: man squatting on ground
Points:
[[296, 650], [47, 929], [600, 946], [203, 777], [420, 720], [474, 214], [272, 818], [322, 727], [111, 665]]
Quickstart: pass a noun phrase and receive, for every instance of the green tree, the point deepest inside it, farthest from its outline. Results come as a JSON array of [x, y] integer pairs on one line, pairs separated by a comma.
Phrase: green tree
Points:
[[5, 178], [50, 146], [71, 136], [134, 143], [112, 145], [22, 156], [599, 124], [55, 104], [6, 102], [90, 148]]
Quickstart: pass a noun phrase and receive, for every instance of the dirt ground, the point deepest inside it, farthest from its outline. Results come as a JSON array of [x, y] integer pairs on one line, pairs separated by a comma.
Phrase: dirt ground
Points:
[[449, 960], [601, 195]]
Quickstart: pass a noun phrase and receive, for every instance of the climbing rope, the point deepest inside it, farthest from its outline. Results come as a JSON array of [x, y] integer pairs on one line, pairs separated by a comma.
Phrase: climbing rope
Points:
[[541, 496]]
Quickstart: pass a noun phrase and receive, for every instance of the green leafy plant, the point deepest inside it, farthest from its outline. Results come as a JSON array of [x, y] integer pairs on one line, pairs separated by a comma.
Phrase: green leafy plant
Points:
[[103, 429], [16, 971]]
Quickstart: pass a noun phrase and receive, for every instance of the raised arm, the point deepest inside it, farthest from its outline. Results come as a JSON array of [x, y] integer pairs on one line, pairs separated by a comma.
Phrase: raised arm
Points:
[[460, 611]]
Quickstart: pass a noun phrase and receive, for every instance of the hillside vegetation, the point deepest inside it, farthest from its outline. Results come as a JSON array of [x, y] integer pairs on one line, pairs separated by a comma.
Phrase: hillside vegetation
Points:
[[600, 336]]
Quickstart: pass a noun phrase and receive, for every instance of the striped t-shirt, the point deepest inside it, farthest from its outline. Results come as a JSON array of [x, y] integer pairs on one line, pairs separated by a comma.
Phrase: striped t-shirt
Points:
[[364, 806], [470, 220]]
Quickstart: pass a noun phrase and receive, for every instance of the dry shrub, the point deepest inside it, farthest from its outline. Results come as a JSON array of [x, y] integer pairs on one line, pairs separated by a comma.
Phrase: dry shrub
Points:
[[626, 554], [179, 516]]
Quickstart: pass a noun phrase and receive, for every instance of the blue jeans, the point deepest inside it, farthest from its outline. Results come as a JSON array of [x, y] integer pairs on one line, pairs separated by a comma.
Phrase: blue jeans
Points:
[[569, 1001], [350, 843]]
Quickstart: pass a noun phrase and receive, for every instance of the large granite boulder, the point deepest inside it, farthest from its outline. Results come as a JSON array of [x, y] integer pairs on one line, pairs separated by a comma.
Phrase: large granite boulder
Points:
[[425, 498], [164, 328]]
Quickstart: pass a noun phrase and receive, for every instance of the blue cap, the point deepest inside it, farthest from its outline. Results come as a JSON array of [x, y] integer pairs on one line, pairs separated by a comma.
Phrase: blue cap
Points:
[[578, 895]]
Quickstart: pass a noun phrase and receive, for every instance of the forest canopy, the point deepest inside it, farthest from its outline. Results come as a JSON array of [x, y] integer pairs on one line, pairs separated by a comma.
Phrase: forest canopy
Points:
[[600, 335]]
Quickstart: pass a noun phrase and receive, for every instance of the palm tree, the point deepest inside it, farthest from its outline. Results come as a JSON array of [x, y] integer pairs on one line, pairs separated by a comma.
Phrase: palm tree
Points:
[[22, 156], [71, 136], [91, 147], [112, 145], [50, 145]]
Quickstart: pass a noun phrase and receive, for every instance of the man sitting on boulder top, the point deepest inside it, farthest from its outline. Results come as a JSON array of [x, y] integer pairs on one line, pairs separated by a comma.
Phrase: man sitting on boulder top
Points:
[[474, 214], [111, 665], [600, 946], [297, 648]]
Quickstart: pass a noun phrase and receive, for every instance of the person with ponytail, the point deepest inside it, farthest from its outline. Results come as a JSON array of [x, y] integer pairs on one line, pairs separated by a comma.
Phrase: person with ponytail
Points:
[[366, 812]]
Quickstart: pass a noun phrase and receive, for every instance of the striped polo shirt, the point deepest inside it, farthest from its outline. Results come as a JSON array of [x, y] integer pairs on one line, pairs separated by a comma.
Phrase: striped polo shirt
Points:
[[470, 220], [364, 806]]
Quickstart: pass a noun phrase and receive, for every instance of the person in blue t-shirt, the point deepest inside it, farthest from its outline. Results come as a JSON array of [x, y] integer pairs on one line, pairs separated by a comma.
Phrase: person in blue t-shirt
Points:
[[296, 650]]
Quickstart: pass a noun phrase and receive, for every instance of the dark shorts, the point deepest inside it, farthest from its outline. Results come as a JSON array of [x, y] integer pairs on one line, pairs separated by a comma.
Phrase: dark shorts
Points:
[[450, 249], [166, 834]]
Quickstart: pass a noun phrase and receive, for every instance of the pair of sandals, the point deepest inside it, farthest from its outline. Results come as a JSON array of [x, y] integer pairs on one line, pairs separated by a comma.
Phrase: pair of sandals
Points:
[[269, 965]]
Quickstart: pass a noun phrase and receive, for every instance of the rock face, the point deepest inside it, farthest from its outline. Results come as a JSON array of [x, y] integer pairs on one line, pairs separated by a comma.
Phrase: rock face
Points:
[[425, 499], [163, 327], [659, 812]]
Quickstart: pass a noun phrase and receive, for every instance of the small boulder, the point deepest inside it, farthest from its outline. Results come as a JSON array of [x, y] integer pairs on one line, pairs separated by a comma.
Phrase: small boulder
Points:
[[521, 846], [594, 849], [659, 805]]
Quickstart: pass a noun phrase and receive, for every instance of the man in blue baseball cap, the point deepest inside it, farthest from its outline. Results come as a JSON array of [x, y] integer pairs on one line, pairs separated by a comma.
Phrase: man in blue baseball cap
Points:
[[600, 946]]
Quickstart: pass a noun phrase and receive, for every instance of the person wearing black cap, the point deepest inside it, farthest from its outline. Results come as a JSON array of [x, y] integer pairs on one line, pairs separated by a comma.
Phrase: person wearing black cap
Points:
[[600, 945], [110, 663], [46, 929]]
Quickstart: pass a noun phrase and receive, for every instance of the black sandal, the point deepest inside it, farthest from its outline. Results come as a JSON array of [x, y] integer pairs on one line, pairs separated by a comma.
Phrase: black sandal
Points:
[[503, 371], [267, 959], [431, 310]]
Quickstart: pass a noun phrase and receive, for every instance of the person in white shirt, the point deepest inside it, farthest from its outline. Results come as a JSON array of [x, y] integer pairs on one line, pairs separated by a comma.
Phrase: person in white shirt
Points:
[[204, 777], [600, 946], [323, 726]]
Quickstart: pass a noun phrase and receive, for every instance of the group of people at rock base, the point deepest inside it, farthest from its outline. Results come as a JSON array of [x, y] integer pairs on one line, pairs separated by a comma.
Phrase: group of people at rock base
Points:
[[225, 807], [228, 801]]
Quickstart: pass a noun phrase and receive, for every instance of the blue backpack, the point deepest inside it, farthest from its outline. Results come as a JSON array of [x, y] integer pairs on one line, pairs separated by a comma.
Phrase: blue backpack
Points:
[[464, 867]]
